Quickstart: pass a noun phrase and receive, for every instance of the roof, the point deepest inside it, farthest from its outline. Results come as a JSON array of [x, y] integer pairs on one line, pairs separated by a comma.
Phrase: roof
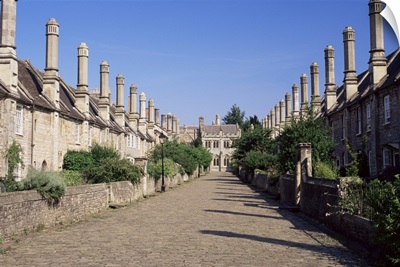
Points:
[[227, 129], [365, 87]]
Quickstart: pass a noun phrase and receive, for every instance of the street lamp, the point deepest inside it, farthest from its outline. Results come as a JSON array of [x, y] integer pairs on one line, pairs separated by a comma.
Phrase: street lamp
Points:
[[162, 137]]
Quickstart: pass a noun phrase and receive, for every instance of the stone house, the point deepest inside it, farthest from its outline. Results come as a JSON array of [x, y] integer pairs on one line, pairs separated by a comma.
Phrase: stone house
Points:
[[48, 117], [364, 112], [217, 138]]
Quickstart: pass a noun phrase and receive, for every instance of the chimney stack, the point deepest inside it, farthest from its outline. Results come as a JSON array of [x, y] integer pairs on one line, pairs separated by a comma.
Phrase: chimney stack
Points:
[[304, 95], [350, 76], [273, 128], [119, 110], [142, 119], [296, 109], [330, 86], [104, 102], [277, 118], [82, 94], [288, 111], [51, 84], [282, 113], [377, 61], [8, 57], [315, 98]]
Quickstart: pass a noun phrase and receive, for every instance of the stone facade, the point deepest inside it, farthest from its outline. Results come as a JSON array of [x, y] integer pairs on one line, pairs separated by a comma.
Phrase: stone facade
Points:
[[363, 112], [48, 117], [217, 138]]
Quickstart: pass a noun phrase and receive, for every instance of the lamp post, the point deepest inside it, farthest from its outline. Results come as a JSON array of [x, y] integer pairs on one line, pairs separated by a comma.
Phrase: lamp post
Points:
[[162, 137]]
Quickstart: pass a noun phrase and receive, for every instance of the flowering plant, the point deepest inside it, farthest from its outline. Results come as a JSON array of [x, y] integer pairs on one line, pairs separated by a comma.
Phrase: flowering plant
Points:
[[350, 198]]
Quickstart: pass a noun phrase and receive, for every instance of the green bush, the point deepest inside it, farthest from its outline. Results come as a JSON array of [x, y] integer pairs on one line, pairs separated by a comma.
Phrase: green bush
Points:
[[99, 153], [78, 160], [256, 159], [325, 170], [72, 178], [154, 169], [49, 184], [383, 198], [187, 156], [112, 170]]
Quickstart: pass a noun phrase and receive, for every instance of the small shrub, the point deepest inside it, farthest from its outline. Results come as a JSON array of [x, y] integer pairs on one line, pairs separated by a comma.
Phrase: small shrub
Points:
[[383, 198], [154, 169], [77, 160], [72, 178], [99, 153], [112, 170], [49, 184], [325, 170]]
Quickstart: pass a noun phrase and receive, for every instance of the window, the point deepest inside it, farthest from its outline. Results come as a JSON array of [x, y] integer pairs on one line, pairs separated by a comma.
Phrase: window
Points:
[[358, 120], [216, 144], [386, 157], [90, 136], [386, 104], [19, 119], [129, 140], [77, 133], [368, 117]]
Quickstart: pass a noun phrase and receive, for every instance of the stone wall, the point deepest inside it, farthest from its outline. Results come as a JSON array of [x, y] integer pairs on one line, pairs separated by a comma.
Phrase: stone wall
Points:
[[287, 188], [27, 210], [316, 194], [23, 211]]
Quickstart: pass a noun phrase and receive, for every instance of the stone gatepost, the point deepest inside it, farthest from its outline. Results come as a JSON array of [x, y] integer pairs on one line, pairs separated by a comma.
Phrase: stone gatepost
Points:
[[303, 168]]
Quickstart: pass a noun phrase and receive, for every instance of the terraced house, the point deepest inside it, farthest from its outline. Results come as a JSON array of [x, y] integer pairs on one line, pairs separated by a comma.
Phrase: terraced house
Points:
[[48, 117], [364, 111]]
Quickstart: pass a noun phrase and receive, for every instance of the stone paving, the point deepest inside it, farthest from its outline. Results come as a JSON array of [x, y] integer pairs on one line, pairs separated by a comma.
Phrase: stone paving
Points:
[[212, 221]]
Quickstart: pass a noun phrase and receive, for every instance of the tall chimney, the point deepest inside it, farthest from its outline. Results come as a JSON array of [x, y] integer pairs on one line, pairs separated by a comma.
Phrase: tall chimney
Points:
[[296, 109], [350, 76], [315, 98], [150, 124], [288, 109], [169, 123], [330, 86], [304, 95], [163, 121], [82, 94], [282, 113], [120, 91], [8, 58], [157, 116], [104, 102], [377, 61], [119, 110], [151, 111], [218, 119], [273, 126], [51, 84], [174, 130], [277, 118], [142, 119]]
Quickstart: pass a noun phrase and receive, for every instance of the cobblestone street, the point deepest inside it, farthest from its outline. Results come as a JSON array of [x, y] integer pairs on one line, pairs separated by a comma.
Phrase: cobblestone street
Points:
[[212, 221]]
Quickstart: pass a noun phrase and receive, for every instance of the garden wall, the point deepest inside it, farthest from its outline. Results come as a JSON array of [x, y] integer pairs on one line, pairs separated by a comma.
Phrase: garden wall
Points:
[[27, 210]]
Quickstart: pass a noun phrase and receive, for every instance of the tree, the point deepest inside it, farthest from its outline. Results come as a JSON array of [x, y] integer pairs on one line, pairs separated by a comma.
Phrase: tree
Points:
[[255, 149], [252, 120], [305, 130], [235, 115]]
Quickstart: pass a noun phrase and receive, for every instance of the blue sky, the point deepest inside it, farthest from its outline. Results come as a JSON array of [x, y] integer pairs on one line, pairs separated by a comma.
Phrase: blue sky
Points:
[[199, 57]]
